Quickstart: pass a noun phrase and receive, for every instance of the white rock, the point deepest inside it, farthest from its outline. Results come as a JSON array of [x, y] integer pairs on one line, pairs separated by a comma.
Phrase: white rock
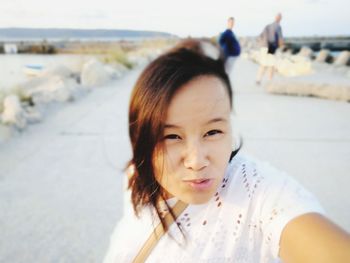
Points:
[[138, 60], [116, 70], [13, 113], [340, 70], [319, 66], [305, 52], [32, 115], [321, 85], [94, 73], [59, 70], [55, 88], [123, 69], [322, 55], [255, 55], [294, 66], [342, 59], [75, 64]]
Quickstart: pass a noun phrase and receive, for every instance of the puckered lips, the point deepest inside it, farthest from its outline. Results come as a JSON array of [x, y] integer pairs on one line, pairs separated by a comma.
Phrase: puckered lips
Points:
[[199, 184]]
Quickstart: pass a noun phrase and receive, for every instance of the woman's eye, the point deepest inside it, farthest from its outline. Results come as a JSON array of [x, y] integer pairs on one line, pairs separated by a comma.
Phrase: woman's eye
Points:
[[172, 137], [212, 132]]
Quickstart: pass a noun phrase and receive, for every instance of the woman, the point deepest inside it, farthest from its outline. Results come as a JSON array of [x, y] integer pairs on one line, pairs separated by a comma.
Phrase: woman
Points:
[[232, 208]]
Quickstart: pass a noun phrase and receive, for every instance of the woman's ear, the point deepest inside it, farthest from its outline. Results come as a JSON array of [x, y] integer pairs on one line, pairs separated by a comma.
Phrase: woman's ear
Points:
[[130, 170]]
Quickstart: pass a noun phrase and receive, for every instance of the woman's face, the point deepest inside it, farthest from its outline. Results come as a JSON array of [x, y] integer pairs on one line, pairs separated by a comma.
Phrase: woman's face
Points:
[[197, 142]]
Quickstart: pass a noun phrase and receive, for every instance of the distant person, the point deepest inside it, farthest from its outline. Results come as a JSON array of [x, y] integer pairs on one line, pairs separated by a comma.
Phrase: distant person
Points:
[[271, 38], [229, 45]]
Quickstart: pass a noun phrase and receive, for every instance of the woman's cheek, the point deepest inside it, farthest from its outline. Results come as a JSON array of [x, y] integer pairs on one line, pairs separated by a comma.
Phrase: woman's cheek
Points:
[[221, 150], [173, 153]]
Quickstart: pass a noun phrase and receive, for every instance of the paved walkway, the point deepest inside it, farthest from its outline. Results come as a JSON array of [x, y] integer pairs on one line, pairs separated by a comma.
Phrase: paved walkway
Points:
[[61, 180], [307, 137]]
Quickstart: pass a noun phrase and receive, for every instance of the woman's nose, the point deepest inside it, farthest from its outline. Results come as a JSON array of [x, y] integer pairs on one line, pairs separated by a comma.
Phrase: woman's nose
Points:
[[196, 157]]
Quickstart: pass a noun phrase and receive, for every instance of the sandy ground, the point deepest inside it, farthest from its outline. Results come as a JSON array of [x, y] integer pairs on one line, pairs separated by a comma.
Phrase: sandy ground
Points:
[[61, 180]]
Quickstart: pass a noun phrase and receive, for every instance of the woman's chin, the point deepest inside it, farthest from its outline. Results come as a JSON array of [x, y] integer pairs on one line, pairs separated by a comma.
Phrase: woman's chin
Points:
[[197, 199]]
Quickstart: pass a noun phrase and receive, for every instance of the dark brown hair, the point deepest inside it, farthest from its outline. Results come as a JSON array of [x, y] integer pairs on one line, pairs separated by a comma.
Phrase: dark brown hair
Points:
[[150, 99]]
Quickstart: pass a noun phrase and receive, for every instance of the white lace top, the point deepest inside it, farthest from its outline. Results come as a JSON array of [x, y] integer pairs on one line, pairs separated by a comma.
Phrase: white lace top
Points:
[[241, 223]]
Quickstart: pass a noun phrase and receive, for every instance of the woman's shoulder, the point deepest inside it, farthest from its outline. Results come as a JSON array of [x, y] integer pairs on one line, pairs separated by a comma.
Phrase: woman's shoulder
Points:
[[129, 234], [245, 179], [259, 181], [247, 169], [244, 166], [270, 197]]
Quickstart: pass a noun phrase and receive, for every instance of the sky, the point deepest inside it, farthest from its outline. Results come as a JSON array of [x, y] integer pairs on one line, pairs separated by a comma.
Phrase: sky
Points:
[[196, 18]]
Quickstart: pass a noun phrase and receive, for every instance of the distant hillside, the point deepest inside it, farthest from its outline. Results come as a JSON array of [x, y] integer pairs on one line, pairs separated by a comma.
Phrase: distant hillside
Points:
[[66, 34]]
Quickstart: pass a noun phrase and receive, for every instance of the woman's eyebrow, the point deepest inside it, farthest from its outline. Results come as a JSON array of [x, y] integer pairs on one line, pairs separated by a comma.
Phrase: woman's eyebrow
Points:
[[215, 120], [169, 126]]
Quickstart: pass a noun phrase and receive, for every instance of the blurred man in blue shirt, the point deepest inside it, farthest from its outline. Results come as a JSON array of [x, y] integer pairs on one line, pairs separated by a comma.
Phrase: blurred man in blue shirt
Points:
[[229, 45]]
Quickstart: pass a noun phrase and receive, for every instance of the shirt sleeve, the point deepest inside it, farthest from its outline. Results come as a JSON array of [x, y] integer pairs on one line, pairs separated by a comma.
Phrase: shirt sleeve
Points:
[[263, 37], [282, 199], [279, 31], [113, 251], [129, 235], [222, 39]]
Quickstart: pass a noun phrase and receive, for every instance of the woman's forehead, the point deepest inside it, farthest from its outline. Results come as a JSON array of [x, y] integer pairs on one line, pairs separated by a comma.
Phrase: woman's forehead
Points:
[[200, 100]]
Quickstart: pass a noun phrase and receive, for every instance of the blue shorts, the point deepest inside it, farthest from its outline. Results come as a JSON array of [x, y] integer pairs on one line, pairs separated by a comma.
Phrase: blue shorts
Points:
[[271, 48]]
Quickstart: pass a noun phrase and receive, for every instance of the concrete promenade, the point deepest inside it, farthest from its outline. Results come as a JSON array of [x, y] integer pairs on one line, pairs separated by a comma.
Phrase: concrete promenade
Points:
[[61, 180]]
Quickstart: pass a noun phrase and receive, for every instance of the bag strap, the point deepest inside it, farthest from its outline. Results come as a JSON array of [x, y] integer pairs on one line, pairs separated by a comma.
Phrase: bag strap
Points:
[[158, 232]]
